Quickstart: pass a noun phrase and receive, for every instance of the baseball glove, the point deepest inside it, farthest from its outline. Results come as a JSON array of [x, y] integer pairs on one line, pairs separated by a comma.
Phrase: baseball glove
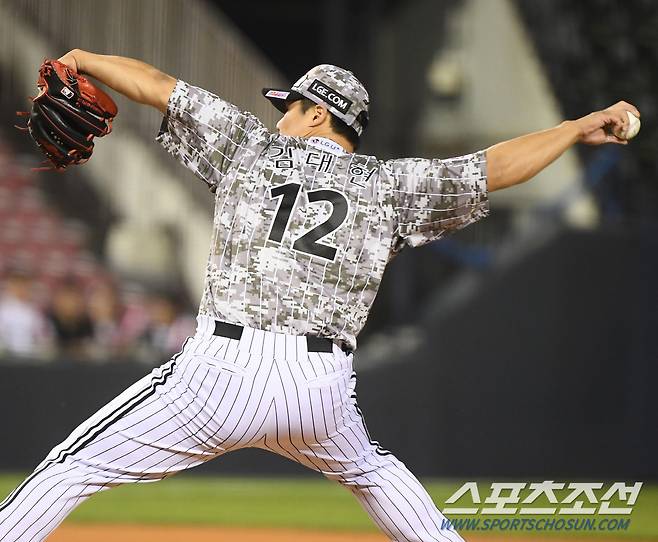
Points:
[[67, 114]]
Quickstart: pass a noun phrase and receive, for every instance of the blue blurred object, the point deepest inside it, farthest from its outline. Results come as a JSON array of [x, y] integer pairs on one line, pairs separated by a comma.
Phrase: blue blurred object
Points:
[[596, 53]]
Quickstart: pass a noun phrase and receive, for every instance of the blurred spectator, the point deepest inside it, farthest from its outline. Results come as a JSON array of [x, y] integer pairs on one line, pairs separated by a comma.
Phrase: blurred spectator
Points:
[[105, 313], [72, 326], [104, 327], [134, 316], [23, 329], [167, 329]]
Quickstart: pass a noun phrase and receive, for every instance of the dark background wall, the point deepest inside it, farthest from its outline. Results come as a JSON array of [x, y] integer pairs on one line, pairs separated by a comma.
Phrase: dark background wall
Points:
[[550, 371]]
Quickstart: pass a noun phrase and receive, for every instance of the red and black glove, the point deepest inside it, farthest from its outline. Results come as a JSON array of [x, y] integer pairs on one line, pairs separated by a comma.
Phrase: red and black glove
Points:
[[67, 114]]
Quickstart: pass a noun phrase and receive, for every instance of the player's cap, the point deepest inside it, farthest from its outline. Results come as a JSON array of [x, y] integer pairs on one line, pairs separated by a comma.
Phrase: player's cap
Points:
[[335, 88]]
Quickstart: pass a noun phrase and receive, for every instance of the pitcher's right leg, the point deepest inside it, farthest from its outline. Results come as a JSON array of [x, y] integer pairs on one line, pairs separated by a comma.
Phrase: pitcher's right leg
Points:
[[320, 425], [386, 489]]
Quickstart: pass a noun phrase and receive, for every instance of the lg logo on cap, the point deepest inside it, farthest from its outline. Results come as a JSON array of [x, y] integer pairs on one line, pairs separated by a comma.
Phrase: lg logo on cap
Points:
[[330, 96]]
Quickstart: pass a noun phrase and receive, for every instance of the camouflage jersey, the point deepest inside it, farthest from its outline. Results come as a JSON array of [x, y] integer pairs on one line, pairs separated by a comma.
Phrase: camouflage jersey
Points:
[[302, 229]]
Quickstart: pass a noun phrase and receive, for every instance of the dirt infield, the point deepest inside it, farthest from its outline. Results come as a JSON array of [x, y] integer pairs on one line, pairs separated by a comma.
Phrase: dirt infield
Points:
[[155, 533]]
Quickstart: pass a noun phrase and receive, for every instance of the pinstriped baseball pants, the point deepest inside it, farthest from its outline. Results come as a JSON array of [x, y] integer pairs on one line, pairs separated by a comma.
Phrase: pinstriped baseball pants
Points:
[[216, 396]]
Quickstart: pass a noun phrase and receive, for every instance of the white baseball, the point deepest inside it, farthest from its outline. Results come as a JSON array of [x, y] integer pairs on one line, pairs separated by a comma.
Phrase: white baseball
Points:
[[633, 126]]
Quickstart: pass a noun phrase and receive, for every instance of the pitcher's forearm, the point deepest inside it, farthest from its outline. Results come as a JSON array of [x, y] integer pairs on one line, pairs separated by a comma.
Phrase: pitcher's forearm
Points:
[[517, 160], [134, 79]]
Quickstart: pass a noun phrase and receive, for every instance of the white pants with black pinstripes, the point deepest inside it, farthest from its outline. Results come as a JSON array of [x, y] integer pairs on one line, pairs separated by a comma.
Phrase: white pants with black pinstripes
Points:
[[216, 396]]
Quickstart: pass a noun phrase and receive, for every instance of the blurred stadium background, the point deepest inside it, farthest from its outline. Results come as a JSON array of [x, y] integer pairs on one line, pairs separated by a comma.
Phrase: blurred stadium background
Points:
[[522, 347]]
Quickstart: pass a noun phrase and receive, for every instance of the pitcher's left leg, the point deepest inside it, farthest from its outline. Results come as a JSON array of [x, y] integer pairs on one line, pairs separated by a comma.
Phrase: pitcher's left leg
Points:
[[184, 413]]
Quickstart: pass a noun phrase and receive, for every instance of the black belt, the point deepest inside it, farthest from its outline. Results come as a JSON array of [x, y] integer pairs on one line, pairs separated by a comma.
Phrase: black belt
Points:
[[313, 343]]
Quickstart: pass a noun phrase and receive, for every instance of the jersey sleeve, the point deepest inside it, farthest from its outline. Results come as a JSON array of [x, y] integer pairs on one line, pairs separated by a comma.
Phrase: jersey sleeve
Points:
[[433, 198], [205, 133]]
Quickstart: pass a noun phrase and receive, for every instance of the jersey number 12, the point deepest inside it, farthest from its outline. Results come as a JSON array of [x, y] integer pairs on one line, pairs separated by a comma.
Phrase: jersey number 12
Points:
[[310, 241]]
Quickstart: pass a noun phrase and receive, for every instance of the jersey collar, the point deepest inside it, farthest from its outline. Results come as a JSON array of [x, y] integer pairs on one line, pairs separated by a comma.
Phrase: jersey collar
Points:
[[326, 145]]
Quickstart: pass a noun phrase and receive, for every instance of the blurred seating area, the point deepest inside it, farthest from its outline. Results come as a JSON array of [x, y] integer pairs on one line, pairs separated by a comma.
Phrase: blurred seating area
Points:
[[58, 301], [595, 53]]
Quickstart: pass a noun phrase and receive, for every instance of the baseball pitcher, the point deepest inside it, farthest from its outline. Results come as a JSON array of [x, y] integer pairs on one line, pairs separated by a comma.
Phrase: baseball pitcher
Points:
[[303, 229]]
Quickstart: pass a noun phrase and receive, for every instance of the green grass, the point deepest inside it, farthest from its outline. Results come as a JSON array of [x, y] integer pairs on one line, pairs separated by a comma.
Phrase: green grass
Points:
[[292, 503]]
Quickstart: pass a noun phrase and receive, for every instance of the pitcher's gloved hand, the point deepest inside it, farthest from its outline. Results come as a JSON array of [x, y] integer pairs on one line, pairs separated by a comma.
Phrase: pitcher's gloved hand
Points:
[[67, 114]]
